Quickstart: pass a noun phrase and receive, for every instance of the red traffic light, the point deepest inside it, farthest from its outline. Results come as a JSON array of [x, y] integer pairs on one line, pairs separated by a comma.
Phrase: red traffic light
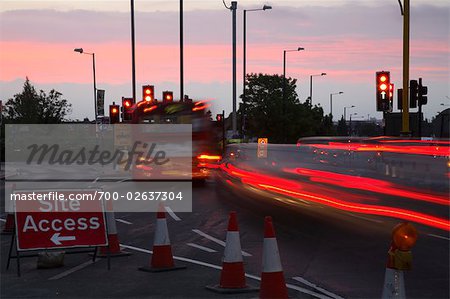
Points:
[[148, 93], [114, 113], [167, 96], [219, 117], [383, 80], [384, 90], [127, 103]]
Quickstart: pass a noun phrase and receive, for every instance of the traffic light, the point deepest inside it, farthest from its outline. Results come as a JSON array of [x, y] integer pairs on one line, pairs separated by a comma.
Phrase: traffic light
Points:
[[422, 93], [114, 114], [391, 96], [218, 118], [148, 93], [400, 99], [383, 82], [127, 104], [167, 96], [413, 93]]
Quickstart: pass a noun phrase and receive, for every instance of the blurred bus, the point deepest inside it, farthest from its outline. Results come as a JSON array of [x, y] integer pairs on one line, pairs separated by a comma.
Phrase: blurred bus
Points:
[[205, 152]]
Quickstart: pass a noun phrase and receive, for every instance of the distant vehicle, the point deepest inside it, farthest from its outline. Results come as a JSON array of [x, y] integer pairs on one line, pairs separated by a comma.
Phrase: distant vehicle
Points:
[[205, 153]]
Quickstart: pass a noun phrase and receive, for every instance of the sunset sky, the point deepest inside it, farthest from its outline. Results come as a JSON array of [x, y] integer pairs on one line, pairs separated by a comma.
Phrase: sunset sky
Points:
[[349, 40]]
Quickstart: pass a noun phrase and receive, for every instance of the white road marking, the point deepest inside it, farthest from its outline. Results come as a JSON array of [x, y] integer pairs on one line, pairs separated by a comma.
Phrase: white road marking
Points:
[[123, 221], [172, 214], [2, 220], [220, 242], [183, 259], [439, 237], [365, 218], [310, 284], [201, 247], [72, 270]]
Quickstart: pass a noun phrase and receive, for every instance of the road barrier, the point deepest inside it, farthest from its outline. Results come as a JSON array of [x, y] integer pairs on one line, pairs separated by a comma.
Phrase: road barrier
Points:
[[272, 278], [232, 277], [404, 236], [162, 258]]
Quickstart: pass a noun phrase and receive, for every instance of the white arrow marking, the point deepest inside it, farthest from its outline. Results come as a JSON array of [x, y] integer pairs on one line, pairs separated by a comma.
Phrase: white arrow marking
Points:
[[56, 238]]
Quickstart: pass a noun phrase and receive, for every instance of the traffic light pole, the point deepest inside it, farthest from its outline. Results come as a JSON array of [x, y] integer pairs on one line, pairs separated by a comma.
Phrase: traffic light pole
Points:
[[405, 112], [234, 120], [223, 132], [133, 64], [95, 86], [181, 53], [419, 131]]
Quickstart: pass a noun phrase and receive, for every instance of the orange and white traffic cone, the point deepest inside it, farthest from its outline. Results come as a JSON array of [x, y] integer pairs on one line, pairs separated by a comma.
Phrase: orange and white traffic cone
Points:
[[272, 277], [10, 225], [232, 278], [162, 258], [113, 249]]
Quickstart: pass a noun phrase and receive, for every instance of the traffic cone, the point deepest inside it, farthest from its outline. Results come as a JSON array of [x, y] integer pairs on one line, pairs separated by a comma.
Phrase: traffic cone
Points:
[[232, 277], [10, 225], [162, 258], [113, 249], [272, 277]]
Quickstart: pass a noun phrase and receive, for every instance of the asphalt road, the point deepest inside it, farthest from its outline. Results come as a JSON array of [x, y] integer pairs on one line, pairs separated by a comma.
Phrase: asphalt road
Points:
[[324, 252]]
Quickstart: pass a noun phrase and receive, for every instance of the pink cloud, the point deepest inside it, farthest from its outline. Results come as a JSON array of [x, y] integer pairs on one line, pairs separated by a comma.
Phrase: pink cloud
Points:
[[345, 59]]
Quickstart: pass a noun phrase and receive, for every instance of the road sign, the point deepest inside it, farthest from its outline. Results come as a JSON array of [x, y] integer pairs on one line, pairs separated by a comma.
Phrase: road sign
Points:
[[100, 102], [122, 135], [54, 223], [262, 148]]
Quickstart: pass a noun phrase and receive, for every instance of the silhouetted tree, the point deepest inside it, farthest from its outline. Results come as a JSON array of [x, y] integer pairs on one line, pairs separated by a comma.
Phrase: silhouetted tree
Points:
[[342, 129], [31, 107], [269, 115]]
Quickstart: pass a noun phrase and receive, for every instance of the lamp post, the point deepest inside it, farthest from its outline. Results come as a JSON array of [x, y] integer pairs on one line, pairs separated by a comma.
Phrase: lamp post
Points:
[[80, 50], [310, 85], [350, 126], [181, 53], [244, 73], [331, 102], [133, 60], [284, 82], [345, 108]]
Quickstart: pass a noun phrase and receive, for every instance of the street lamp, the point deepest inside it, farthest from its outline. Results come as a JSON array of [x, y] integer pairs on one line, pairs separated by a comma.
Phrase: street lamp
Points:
[[350, 126], [331, 102], [284, 80], [245, 59], [310, 85], [80, 50], [345, 108]]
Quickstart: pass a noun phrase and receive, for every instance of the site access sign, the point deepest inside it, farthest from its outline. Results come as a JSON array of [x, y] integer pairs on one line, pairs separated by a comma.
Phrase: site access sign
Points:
[[51, 223]]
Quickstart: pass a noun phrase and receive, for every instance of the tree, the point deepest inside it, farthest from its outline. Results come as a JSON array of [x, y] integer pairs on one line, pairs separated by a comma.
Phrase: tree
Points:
[[342, 129], [31, 107], [269, 115]]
